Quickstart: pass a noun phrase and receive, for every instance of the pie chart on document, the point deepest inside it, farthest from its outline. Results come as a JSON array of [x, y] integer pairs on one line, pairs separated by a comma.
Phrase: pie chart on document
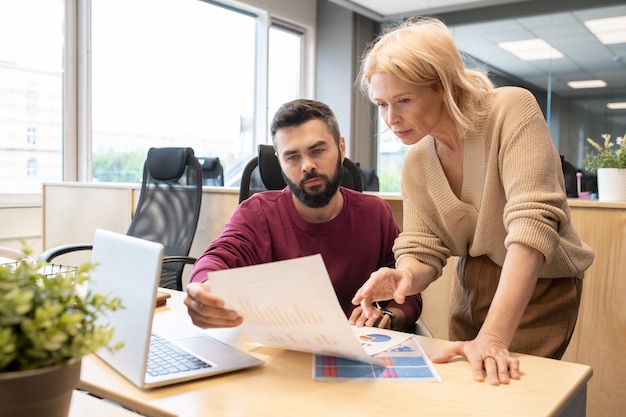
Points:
[[373, 338]]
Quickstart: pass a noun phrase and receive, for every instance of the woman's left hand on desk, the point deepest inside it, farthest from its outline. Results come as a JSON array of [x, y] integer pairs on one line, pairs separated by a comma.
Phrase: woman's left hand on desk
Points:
[[485, 357]]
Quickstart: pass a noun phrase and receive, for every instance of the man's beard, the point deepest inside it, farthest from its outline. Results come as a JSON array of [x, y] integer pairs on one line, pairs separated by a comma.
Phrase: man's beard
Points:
[[321, 198]]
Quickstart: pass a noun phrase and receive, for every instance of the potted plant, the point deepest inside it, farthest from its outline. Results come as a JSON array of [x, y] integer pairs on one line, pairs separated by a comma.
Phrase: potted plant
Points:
[[46, 327], [610, 164]]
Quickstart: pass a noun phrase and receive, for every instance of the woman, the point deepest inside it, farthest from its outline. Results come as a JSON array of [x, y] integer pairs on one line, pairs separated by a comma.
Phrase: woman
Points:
[[482, 182]]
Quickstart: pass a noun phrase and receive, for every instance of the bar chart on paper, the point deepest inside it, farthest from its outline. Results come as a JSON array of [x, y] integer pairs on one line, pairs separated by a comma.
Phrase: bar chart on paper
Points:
[[404, 362], [283, 315], [287, 322], [291, 305], [291, 326]]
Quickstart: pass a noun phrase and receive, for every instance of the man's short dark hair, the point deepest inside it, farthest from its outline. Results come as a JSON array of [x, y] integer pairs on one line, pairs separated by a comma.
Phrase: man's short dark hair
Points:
[[300, 111]]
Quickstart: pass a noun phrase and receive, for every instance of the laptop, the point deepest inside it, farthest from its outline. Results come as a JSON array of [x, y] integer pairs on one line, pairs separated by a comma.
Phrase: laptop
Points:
[[130, 268]]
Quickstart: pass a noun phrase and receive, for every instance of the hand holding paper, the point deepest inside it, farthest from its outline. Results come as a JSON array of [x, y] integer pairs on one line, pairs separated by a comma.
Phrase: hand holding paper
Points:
[[292, 305]]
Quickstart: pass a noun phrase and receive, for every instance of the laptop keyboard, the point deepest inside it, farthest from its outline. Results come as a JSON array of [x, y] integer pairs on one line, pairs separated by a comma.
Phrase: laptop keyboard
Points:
[[167, 358]]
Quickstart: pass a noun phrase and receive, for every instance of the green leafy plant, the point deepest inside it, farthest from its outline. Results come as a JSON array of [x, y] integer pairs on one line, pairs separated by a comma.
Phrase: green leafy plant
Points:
[[611, 155], [45, 321]]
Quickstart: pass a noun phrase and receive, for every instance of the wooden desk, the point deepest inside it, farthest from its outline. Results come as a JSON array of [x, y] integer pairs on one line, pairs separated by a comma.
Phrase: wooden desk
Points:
[[599, 339], [84, 405], [284, 386]]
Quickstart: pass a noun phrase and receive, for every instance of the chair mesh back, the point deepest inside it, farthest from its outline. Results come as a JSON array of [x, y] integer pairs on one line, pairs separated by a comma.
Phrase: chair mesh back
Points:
[[169, 207]]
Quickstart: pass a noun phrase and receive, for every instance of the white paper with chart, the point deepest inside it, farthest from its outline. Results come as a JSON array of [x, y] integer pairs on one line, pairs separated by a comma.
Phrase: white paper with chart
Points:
[[292, 305]]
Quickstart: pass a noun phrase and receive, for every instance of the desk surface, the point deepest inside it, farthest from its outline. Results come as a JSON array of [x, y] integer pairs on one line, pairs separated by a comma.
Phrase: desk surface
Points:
[[284, 386], [84, 405]]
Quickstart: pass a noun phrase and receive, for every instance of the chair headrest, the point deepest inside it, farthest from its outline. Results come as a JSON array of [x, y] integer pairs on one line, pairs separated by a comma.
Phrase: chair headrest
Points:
[[167, 164], [368, 174], [209, 162], [269, 168]]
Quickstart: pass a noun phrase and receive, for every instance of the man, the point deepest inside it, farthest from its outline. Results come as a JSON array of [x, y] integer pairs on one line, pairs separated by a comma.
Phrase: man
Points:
[[353, 232]]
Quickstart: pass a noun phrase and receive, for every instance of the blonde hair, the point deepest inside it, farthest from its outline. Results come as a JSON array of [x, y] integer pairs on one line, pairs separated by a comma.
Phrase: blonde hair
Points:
[[422, 52]]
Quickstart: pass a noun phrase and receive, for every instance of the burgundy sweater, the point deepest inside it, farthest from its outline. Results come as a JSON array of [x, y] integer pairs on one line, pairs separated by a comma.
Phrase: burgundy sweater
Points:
[[266, 228]]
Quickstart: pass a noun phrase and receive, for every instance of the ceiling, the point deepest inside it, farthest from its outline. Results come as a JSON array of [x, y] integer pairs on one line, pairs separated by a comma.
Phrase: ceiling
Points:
[[479, 25]]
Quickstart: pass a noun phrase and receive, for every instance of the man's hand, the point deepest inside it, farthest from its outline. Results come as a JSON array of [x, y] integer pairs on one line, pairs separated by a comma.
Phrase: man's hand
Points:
[[207, 310], [358, 318]]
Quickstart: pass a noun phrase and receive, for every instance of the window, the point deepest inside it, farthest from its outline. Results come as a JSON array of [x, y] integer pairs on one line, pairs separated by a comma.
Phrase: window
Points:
[[31, 100], [32, 167], [149, 73], [285, 67], [181, 75], [31, 135], [31, 95], [391, 152]]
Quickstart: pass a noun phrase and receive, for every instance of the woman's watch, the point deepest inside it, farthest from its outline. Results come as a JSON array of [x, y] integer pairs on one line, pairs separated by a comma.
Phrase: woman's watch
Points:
[[389, 313]]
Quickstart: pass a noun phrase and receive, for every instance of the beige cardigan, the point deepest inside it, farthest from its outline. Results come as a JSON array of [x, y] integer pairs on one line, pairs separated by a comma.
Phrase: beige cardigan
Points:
[[513, 191]]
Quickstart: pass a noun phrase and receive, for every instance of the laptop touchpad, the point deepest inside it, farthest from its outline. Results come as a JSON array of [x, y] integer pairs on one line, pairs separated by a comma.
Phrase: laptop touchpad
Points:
[[202, 344]]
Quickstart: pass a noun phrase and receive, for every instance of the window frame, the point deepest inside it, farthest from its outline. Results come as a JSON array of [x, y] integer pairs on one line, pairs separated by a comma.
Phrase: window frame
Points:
[[77, 129], [76, 105]]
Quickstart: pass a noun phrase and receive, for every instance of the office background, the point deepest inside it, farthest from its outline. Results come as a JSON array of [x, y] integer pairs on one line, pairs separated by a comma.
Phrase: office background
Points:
[[333, 35]]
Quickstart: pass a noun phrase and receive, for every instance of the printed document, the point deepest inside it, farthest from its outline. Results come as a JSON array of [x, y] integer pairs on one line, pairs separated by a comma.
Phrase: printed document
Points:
[[292, 305]]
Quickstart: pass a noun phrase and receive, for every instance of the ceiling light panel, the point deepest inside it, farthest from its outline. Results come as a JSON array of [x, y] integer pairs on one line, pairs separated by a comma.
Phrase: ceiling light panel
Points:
[[389, 8], [609, 31], [617, 106], [587, 84], [531, 49]]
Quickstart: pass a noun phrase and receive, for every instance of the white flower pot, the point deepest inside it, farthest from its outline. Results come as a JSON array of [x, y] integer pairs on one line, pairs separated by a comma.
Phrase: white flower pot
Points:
[[611, 184]]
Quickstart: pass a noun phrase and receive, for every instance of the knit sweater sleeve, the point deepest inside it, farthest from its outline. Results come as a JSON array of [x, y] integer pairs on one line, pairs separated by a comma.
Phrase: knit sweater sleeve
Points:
[[536, 211], [426, 235]]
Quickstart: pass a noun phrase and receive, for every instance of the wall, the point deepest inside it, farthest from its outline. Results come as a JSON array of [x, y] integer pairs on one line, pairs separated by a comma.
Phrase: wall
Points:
[[73, 211], [21, 222], [334, 67], [342, 36]]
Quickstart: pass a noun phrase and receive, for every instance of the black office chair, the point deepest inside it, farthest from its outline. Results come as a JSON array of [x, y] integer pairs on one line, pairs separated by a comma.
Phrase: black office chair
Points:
[[263, 173], [212, 171], [571, 181], [369, 179], [167, 211]]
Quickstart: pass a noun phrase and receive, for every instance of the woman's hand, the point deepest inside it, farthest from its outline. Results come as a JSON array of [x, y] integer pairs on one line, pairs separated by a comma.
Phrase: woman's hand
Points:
[[384, 284], [207, 310], [487, 356]]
